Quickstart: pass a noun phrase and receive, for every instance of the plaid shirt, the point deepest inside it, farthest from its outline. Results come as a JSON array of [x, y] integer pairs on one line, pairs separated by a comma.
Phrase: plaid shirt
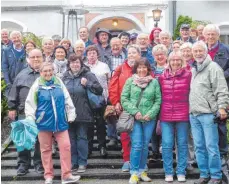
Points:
[[117, 60]]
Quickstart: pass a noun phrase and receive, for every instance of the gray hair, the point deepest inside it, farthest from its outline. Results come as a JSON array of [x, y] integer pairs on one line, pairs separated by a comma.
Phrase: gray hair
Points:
[[56, 38], [211, 27], [160, 47], [179, 54], [115, 38], [15, 33], [200, 26], [4, 30], [136, 47], [167, 33], [202, 44], [45, 39], [46, 64], [186, 45], [78, 42], [143, 35]]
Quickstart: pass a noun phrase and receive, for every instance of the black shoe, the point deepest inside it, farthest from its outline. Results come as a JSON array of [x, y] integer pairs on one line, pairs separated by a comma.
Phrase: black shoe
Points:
[[74, 168], [215, 181], [202, 181], [103, 152], [22, 170], [112, 143], [39, 169]]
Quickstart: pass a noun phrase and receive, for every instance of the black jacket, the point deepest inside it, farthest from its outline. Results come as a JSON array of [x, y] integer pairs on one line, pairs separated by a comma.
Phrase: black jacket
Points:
[[78, 92], [20, 89]]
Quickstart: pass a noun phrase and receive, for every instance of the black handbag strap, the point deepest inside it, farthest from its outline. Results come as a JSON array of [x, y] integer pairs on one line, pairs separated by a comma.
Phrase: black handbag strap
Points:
[[142, 90]]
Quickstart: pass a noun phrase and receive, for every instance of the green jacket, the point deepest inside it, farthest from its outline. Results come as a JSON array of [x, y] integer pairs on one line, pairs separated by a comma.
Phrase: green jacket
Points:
[[149, 103]]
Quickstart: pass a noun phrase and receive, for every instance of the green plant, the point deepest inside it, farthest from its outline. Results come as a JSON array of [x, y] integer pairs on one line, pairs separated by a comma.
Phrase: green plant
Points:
[[30, 36], [181, 20], [4, 106], [195, 23]]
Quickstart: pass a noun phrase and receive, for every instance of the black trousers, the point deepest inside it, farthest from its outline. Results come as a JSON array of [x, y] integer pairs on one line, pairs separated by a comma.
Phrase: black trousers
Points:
[[100, 130]]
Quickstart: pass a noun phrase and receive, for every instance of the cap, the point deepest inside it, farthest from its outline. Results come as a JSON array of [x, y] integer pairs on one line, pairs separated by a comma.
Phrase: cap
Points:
[[133, 36], [185, 26]]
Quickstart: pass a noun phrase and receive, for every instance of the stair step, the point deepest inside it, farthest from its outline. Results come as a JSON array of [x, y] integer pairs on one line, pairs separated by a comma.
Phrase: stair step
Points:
[[10, 174]]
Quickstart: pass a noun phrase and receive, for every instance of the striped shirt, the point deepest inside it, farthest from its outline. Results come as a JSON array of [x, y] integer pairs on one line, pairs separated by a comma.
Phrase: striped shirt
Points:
[[117, 60]]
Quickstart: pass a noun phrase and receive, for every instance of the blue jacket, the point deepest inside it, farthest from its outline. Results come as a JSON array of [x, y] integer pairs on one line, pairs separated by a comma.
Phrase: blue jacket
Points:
[[49, 104], [11, 66], [148, 54], [222, 58]]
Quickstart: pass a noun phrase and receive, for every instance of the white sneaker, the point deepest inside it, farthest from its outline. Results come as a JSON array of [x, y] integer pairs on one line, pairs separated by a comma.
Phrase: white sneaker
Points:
[[181, 178], [169, 178], [48, 181], [71, 179]]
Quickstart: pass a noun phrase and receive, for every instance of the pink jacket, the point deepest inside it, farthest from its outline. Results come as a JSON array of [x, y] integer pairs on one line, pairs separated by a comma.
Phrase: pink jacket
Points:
[[175, 95]]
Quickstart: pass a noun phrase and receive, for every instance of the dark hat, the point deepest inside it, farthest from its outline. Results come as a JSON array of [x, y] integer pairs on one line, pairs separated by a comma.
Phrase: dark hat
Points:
[[124, 34], [185, 26], [133, 36], [102, 30]]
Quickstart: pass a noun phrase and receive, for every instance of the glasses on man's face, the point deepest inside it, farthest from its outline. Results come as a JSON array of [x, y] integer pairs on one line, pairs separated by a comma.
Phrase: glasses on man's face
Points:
[[34, 57]]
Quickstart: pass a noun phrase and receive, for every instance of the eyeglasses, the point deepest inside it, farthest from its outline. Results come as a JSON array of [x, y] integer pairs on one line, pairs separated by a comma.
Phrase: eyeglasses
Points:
[[33, 57]]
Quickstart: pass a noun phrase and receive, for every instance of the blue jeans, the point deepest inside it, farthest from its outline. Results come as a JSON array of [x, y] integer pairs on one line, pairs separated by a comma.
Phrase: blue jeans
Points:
[[140, 138], [169, 130], [79, 143], [206, 139]]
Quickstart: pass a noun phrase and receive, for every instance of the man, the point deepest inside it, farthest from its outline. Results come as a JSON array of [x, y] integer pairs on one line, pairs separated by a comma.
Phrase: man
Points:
[[16, 105], [208, 96], [185, 34], [219, 53], [84, 35], [146, 51], [103, 37], [56, 39], [116, 58], [13, 59], [79, 49], [5, 41], [125, 38]]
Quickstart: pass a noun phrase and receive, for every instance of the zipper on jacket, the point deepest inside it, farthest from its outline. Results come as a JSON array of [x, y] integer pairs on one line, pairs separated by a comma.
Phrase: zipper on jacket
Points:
[[54, 109]]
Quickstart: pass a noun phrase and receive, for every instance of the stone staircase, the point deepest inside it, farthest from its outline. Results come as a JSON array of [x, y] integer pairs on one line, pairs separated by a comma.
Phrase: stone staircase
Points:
[[98, 168]]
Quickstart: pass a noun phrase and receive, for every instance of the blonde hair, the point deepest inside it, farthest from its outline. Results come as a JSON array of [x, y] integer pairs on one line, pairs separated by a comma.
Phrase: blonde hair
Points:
[[45, 39], [78, 42], [160, 47], [179, 54], [65, 40], [46, 64], [186, 45]]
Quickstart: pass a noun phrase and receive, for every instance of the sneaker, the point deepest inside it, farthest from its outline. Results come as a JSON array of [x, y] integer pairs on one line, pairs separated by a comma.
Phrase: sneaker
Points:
[[169, 178], [112, 143], [189, 167], [74, 168], [48, 181], [134, 179], [71, 179], [145, 178], [22, 170], [215, 181], [81, 169], [126, 167], [202, 181], [181, 178], [39, 169]]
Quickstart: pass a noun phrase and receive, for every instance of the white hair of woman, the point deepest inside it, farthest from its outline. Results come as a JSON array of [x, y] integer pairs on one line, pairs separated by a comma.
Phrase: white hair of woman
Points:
[[165, 33], [178, 54], [211, 27], [136, 47], [15, 33], [186, 45], [160, 47], [144, 35], [79, 42], [45, 39]]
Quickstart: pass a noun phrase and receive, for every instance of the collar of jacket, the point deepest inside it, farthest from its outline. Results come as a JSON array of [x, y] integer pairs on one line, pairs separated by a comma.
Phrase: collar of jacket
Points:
[[68, 74], [31, 70], [168, 72], [205, 63], [43, 82]]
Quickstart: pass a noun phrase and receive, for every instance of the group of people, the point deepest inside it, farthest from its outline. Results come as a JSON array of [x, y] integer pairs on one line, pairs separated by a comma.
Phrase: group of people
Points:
[[175, 90]]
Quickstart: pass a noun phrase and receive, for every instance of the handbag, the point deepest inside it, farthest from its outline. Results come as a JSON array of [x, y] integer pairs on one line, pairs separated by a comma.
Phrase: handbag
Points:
[[95, 101], [126, 120]]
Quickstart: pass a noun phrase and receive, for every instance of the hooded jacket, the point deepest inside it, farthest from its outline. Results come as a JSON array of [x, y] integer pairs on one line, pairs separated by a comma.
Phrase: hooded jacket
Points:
[[78, 92]]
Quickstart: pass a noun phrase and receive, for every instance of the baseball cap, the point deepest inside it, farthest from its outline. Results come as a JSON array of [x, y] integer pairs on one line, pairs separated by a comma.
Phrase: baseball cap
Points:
[[185, 26], [133, 36]]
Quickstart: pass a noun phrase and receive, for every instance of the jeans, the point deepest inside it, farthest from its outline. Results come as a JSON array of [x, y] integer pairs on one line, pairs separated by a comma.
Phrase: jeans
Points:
[[140, 138], [223, 146], [24, 157], [79, 143], [206, 139], [169, 130], [111, 129]]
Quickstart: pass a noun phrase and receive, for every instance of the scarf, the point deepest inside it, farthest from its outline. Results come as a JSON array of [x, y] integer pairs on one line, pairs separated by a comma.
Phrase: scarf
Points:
[[60, 67], [142, 82]]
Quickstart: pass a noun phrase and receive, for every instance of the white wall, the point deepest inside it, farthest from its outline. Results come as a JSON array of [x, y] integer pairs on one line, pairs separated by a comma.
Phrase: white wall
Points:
[[40, 23]]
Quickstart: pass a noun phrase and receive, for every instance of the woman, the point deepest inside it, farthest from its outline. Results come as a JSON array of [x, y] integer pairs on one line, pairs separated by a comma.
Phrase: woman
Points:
[[141, 97], [174, 115], [186, 51], [121, 74], [66, 43], [29, 45], [176, 45], [160, 54], [48, 47], [78, 79], [154, 36], [166, 39], [102, 73], [60, 62], [50, 106]]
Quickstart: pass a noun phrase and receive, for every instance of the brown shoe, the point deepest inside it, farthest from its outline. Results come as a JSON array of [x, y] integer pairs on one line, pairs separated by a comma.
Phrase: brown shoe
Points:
[[202, 181]]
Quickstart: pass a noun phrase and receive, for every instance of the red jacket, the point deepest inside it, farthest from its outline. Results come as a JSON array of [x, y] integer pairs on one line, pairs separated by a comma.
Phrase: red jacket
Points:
[[175, 95], [118, 80]]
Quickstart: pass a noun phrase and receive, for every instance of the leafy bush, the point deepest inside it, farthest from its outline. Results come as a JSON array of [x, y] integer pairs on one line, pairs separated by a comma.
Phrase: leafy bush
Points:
[[181, 20], [4, 107], [195, 23], [30, 36]]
